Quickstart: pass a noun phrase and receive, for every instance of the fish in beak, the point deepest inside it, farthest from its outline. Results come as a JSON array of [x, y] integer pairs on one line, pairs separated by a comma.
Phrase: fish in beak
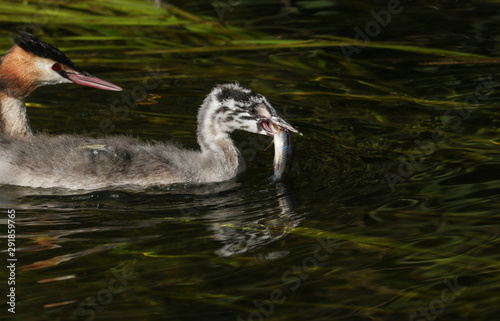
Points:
[[268, 124]]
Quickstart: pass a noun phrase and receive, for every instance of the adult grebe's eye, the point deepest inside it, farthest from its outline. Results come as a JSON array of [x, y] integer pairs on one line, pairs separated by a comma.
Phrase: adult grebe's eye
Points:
[[56, 67]]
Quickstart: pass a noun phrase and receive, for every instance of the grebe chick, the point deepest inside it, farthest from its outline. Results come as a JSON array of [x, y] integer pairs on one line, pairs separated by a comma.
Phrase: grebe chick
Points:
[[83, 163], [32, 63]]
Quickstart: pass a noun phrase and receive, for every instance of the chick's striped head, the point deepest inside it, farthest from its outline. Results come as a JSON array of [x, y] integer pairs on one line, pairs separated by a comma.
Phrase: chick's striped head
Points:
[[232, 107]]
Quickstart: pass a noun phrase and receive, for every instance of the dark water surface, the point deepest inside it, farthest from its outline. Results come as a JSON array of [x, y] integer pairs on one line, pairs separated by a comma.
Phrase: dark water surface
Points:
[[392, 216]]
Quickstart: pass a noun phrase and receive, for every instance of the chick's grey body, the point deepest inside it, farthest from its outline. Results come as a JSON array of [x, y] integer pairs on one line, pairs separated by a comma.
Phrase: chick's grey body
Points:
[[76, 162], [82, 163]]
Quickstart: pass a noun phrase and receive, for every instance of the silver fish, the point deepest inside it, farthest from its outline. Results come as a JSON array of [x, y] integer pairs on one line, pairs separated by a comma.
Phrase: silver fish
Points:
[[283, 152]]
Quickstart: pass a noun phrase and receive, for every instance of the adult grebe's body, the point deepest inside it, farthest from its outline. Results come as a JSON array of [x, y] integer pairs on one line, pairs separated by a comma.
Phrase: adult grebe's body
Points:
[[32, 63], [83, 163]]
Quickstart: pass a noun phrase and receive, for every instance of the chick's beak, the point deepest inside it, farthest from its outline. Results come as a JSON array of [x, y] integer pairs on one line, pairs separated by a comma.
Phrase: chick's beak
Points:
[[283, 124], [91, 81], [269, 125]]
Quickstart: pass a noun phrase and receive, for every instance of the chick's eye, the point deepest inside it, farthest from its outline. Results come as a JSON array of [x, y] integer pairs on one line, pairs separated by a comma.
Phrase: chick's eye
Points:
[[56, 67], [252, 111]]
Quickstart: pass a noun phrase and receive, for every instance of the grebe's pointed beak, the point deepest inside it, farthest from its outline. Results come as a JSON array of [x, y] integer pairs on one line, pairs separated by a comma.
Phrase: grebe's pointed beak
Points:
[[283, 124], [269, 125], [91, 81]]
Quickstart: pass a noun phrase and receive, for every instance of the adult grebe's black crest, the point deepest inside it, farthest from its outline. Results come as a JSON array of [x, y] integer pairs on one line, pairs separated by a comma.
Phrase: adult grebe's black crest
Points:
[[31, 44]]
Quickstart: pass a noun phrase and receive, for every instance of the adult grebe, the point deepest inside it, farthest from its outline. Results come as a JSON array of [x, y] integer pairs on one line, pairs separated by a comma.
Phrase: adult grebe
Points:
[[83, 163], [32, 63]]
